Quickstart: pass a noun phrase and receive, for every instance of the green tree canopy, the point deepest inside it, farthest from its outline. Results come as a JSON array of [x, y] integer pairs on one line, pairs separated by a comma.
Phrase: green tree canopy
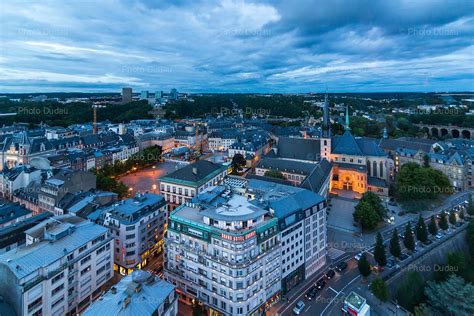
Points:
[[421, 231], [379, 251], [408, 239], [379, 289], [364, 266], [274, 174], [433, 226], [416, 182], [452, 297], [395, 249], [443, 221]]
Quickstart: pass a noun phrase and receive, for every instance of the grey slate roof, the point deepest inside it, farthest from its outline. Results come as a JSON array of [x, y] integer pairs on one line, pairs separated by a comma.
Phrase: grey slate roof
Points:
[[317, 177], [299, 148], [204, 169], [347, 144], [11, 211], [286, 165]]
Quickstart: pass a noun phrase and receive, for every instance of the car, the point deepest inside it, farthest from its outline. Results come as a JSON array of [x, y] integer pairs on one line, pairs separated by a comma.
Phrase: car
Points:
[[358, 256], [390, 264], [404, 256], [392, 203], [341, 266], [377, 268], [330, 274], [298, 307], [458, 224], [439, 235], [321, 283], [311, 293], [427, 242]]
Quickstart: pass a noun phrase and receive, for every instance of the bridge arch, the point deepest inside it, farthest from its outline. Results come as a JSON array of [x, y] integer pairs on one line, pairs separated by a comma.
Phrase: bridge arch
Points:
[[466, 134], [444, 132], [434, 131], [455, 133]]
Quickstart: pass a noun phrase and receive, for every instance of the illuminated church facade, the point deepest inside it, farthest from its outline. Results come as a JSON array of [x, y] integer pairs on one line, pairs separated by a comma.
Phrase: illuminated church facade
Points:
[[359, 164]]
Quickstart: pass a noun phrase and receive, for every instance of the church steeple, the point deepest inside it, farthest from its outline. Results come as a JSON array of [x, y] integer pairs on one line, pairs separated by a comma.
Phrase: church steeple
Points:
[[326, 126], [347, 127]]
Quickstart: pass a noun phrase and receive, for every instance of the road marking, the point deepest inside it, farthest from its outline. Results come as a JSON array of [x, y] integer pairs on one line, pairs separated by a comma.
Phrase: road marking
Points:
[[307, 308], [333, 290], [322, 313]]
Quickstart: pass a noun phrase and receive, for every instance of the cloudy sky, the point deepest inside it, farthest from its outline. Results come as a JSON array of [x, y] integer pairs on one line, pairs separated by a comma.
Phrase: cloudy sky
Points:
[[237, 45]]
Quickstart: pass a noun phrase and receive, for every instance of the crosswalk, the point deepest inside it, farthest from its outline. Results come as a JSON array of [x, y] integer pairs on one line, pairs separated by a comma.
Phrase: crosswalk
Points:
[[334, 253]]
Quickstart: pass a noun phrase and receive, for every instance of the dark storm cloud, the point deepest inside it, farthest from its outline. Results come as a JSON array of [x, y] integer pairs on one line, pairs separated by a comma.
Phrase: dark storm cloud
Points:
[[236, 45]]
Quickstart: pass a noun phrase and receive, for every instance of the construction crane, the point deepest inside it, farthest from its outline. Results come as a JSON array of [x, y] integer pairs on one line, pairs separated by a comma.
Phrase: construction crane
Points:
[[94, 107]]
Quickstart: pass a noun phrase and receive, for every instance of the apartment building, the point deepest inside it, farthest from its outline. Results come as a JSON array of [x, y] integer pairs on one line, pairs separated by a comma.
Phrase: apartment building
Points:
[[61, 183], [181, 185], [139, 293], [59, 270], [138, 225], [237, 250]]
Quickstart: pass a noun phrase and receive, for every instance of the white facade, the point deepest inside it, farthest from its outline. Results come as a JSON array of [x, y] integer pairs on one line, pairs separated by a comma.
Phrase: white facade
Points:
[[59, 270]]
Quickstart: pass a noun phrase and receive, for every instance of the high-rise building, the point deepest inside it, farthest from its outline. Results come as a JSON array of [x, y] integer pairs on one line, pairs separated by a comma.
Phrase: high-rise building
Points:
[[59, 270], [237, 248], [138, 225], [174, 94], [144, 95], [126, 95]]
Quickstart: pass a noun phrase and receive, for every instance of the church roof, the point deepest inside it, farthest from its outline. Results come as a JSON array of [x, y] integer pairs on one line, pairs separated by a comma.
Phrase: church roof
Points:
[[347, 144]]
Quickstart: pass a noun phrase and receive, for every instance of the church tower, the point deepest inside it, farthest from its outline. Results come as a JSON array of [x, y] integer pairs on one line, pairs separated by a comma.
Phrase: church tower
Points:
[[325, 147]]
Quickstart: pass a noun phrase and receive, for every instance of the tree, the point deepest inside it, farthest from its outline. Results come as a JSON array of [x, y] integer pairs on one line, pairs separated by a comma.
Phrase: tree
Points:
[[417, 182], [408, 239], [452, 217], [426, 161], [379, 251], [452, 297], [395, 245], [366, 215], [433, 227], [274, 174], [238, 162], [369, 211], [470, 206], [470, 238], [443, 221], [421, 231], [364, 266], [379, 289], [410, 291]]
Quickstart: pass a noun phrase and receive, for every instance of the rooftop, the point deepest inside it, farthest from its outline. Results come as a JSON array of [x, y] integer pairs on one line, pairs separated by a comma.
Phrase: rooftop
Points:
[[139, 293], [195, 173], [25, 260], [11, 211]]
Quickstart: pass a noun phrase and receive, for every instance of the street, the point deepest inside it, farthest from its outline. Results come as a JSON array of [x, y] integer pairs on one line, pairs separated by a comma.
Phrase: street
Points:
[[330, 299]]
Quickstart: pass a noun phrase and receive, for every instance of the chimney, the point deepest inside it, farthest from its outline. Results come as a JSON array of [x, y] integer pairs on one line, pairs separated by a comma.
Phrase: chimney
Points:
[[195, 170]]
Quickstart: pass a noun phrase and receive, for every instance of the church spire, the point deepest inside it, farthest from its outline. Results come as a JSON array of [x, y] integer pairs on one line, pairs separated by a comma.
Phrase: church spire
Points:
[[347, 118], [326, 120]]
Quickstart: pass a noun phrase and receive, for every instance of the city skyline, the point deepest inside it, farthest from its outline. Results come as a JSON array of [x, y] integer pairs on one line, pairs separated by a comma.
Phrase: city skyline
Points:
[[237, 46]]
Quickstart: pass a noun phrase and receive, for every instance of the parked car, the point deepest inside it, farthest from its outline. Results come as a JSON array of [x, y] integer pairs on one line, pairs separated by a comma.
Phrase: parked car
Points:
[[330, 274], [404, 256], [311, 293], [427, 242], [458, 224], [321, 283], [341, 266], [439, 235], [390, 264], [377, 268], [298, 309]]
